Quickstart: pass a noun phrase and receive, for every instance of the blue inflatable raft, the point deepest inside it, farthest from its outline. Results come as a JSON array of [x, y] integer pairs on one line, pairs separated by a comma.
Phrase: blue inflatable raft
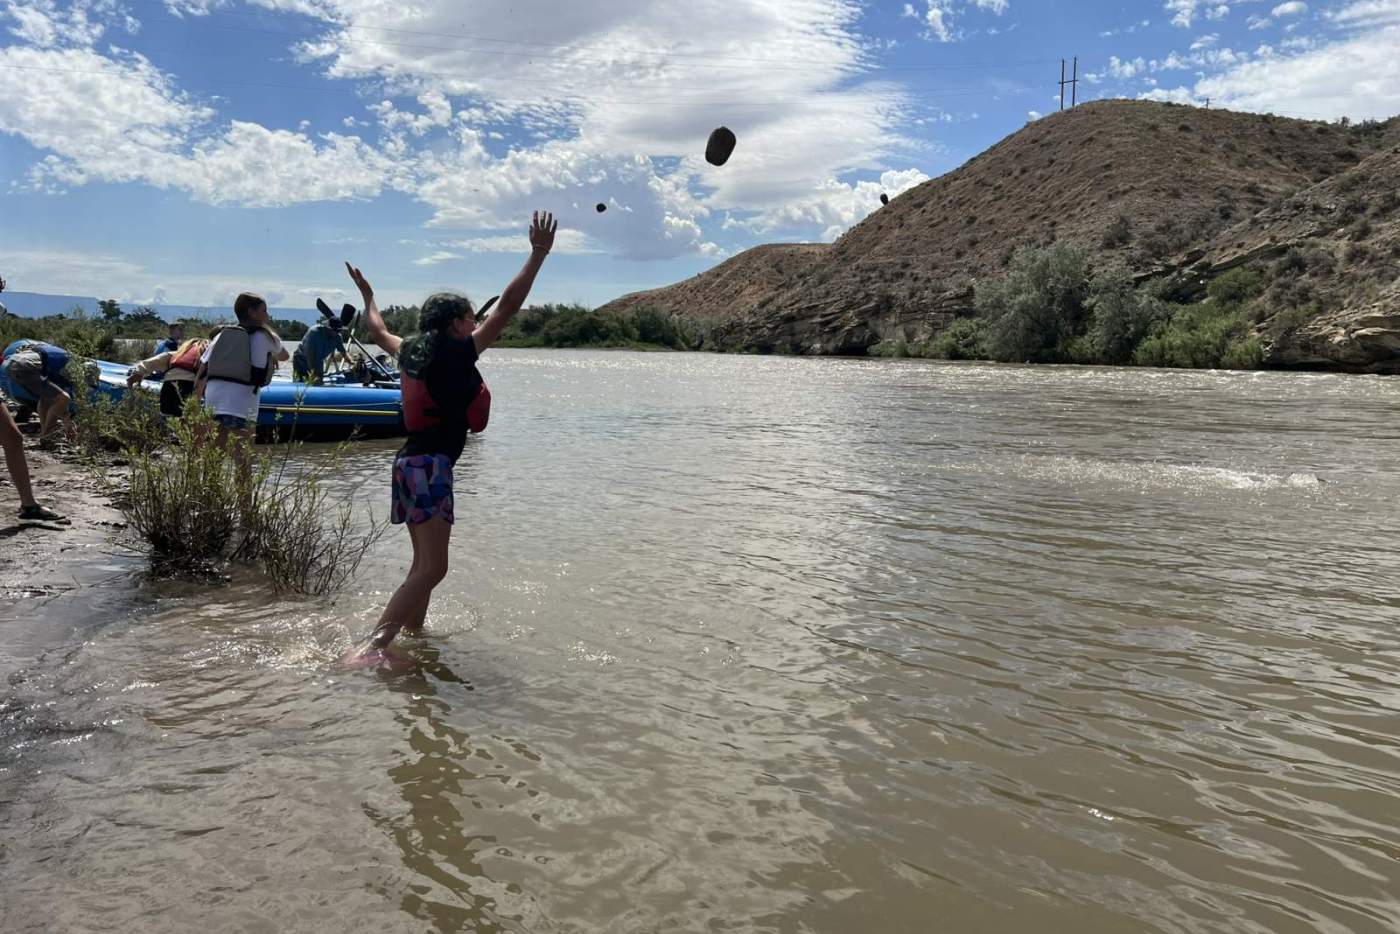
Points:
[[338, 407]]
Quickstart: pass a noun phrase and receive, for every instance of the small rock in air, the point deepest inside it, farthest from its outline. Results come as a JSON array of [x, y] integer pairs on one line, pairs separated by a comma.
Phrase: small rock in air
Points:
[[602, 207], [884, 198], [720, 146]]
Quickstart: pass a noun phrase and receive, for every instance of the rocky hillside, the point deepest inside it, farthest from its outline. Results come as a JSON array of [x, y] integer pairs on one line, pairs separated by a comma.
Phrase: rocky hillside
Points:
[[1331, 253], [1157, 187], [737, 283]]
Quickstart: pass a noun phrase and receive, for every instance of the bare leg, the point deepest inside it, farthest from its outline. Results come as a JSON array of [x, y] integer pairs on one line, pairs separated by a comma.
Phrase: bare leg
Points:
[[409, 604], [13, 442], [51, 411]]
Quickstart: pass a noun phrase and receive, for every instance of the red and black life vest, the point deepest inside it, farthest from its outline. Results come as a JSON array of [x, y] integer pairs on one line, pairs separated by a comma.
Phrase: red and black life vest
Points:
[[420, 410], [421, 413]]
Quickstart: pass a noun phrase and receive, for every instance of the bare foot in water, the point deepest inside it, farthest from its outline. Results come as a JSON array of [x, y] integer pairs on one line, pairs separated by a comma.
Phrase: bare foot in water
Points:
[[386, 659]]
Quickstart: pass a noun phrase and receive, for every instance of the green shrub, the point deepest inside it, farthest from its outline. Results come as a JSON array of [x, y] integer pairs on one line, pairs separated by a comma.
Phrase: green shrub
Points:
[[1197, 336], [964, 339], [189, 504], [1236, 286], [1038, 307], [1245, 353], [1122, 316]]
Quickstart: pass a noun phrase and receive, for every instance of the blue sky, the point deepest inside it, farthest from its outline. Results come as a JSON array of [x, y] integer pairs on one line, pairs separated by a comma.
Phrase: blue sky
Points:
[[183, 150]]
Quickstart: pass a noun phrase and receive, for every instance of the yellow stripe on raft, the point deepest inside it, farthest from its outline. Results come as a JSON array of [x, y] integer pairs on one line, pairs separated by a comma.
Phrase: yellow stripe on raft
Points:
[[313, 410]]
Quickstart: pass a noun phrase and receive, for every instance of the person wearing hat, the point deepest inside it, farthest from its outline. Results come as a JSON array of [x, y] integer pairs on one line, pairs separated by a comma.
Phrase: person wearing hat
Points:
[[173, 341], [320, 342], [444, 398]]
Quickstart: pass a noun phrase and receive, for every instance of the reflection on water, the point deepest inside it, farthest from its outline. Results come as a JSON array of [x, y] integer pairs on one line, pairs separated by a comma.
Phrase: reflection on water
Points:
[[781, 645]]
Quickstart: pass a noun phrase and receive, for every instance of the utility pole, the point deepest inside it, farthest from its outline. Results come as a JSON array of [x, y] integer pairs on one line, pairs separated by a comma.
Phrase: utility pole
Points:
[[1072, 82]]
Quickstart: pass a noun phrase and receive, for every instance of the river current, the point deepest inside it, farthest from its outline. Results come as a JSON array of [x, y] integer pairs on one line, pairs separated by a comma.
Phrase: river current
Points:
[[768, 644]]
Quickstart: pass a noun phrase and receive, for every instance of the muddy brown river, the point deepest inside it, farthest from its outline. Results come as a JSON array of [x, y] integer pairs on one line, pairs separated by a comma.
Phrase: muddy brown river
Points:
[[768, 644]]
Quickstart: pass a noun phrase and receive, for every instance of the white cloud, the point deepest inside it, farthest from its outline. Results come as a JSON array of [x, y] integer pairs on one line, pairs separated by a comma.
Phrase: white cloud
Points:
[[1368, 13], [1356, 76], [120, 120], [567, 241], [1184, 12], [441, 256], [835, 206], [939, 15], [1291, 8], [1205, 42], [619, 112]]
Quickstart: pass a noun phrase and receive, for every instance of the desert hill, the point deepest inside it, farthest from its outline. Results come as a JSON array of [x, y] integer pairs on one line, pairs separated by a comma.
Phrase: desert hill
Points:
[[1154, 186]]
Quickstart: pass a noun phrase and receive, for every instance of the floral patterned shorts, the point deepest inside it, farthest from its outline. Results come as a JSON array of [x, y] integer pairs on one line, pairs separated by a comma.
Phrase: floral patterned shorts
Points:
[[422, 489]]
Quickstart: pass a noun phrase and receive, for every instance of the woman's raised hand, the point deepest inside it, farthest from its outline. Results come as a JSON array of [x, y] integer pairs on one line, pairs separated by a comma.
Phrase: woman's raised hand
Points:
[[542, 228], [361, 283]]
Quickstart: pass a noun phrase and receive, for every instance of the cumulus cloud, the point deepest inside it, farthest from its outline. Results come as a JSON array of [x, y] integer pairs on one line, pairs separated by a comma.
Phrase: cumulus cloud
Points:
[[119, 119], [1291, 8], [564, 106], [1356, 75], [835, 206]]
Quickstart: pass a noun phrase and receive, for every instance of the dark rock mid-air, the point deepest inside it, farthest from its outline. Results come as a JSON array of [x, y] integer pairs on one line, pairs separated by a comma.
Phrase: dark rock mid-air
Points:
[[720, 146]]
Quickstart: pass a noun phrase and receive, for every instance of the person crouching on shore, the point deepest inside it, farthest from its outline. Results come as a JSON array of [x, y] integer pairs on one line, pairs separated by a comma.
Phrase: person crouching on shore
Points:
[[179, 368], [36, 374], [444, 398]]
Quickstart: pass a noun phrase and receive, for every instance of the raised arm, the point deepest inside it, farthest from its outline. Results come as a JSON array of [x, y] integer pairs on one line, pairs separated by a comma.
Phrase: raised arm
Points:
[[542, 228], [374, 321]]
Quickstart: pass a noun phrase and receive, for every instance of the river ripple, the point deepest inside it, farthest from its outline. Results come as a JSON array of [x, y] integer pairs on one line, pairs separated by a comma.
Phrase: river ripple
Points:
[[775, 645]]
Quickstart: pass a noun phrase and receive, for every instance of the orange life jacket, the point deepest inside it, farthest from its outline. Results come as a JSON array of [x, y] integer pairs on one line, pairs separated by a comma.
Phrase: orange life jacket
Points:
[[189, 360]]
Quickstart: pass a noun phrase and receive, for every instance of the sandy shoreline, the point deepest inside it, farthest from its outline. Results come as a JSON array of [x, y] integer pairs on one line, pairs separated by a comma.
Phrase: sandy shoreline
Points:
[[53, 578]]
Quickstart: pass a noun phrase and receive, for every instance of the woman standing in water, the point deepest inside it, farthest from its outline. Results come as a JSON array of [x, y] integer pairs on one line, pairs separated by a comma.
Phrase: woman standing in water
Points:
[[444, 398]]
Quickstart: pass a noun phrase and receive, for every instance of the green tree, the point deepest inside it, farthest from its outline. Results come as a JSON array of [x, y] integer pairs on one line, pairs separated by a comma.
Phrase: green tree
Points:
[[1039, 307], [1122, 316], [110, 308]]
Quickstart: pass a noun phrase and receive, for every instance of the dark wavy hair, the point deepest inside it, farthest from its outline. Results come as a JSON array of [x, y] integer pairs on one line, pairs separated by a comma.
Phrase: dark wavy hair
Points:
[[441, 309]]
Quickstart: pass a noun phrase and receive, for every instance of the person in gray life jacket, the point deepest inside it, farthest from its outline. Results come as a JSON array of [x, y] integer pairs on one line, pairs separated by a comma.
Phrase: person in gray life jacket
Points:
[[233, 369], [444, 398]]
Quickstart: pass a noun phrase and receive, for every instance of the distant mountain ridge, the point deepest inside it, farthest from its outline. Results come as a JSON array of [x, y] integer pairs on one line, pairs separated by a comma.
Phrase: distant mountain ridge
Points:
[[41, 305]]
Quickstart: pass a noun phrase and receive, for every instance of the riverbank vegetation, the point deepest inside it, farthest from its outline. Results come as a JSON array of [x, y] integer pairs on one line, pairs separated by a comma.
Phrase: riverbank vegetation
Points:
[[1053, 306], [104, 336], [188, 502], [569, 325]]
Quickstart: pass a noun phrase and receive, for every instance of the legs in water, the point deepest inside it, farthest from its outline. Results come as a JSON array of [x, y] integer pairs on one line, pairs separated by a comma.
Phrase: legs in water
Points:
[[408, 607]]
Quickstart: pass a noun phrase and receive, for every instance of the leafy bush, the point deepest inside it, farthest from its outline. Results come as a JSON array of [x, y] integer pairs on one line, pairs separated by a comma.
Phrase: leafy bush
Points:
[[964, 339], [1038, 307], [1122, 316], [1197, 336], [1236, 286], [189, 504]]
